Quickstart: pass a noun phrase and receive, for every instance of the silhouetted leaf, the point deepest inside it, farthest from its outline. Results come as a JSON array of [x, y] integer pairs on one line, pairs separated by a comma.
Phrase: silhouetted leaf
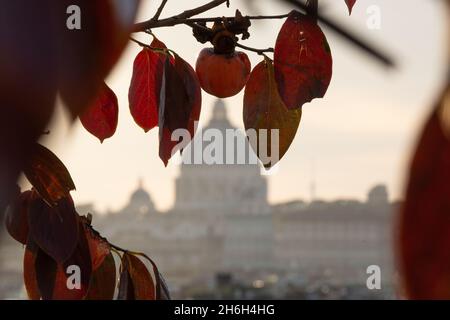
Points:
[[126, 289], [264, 110], [48, 175], [424, 226], [16, 219], [302, 59], [101, 117], [46, 270], [55, 229], [29, 270], [180, 105], [103, 281], [145, 86]]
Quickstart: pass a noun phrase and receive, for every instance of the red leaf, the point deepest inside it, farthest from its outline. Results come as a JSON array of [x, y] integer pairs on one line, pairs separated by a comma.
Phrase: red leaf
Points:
[[55, 229], [264, 110], [103, 282], [48, 175], [101, 118], [424, 226], [143, 95], [302, 59], [180, 105], [16, 219], [350, 4]]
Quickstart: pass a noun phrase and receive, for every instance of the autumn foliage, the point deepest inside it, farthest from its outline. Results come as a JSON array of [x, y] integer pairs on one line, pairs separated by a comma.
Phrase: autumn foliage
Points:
[[166, 93]]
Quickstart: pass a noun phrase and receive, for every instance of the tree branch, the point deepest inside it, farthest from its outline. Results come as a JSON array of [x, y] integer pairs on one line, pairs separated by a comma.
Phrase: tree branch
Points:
[[160, 10], [150, 24], [258, 51]]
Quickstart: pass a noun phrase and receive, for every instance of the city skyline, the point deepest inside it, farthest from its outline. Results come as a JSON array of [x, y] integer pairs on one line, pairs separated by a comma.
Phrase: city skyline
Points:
[[360, 134]]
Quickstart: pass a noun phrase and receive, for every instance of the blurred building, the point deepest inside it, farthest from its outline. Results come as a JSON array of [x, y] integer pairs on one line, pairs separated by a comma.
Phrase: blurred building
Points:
[[222, 223], [222, 239]]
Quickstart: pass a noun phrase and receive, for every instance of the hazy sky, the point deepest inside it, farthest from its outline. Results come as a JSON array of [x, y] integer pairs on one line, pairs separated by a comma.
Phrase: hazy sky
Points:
[[360, 134]]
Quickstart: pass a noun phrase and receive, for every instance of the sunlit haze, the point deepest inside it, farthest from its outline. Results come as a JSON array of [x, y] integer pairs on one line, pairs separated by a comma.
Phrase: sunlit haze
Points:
[[359, 135]]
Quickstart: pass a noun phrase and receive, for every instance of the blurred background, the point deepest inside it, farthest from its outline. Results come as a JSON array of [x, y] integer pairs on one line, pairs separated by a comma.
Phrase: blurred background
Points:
[[310, 229]]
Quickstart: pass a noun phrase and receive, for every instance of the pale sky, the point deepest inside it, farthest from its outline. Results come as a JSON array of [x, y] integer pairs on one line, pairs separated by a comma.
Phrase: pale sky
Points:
[[360, 134]]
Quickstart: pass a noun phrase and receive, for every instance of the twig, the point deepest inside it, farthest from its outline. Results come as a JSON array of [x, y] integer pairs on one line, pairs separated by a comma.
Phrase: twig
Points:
[[258, 51], [160, 10], [178, 19]]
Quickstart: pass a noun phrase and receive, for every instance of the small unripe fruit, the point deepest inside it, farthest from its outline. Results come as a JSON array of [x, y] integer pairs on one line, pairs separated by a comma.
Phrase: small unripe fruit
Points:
[[222, 75]]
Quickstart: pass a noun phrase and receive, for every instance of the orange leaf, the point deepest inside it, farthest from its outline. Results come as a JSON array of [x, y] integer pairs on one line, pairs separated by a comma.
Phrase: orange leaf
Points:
[[264, 110]]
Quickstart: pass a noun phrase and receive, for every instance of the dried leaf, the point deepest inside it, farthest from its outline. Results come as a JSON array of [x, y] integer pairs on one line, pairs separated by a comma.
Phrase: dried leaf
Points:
[[264, 110], [48, 175], [101, 117], [55, 229], [143, 95], [302, 59], [424, 226], [103, 282]]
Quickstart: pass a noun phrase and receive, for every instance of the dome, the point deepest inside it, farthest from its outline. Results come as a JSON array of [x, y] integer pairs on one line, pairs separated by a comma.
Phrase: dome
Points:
[[140, 200], [378, 195]]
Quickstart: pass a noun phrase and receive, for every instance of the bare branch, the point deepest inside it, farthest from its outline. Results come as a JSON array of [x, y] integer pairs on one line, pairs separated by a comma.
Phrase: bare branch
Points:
[[160, 10], [150, 24], [258, 51]]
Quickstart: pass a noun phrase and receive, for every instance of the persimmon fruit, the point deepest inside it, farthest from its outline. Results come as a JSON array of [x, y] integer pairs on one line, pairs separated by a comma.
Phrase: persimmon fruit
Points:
[[222, 75]]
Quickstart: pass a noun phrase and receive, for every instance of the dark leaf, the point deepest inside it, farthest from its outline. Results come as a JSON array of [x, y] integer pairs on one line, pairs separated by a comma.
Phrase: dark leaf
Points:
[[55, 229], [126, 289], [424, 226], [16, 219], [264, 110], [103, 282], [48, 175], [29, 270], [143, 95], [180, 105], [80, 258], [46, 270], [101, 117], [302, 59]]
